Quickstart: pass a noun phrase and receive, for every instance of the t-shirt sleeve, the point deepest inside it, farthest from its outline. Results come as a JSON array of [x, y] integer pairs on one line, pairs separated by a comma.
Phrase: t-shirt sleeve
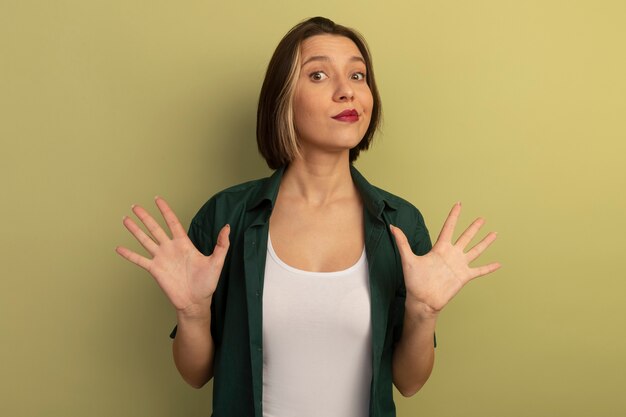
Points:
[[202, 242]]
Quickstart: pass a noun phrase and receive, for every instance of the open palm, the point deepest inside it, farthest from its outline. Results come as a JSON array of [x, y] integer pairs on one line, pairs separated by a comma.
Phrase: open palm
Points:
[[435, 278], [188, 277]]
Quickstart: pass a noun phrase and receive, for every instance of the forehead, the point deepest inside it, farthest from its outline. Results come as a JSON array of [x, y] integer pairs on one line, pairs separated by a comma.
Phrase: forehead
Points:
[[332, 46]]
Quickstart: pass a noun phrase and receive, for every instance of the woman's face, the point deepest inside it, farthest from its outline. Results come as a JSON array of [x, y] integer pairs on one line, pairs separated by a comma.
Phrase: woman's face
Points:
[[332, 102]]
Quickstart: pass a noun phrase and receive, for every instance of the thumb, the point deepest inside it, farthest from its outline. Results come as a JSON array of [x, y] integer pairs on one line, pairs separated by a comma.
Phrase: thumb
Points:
[[223, 243], [403, 243]]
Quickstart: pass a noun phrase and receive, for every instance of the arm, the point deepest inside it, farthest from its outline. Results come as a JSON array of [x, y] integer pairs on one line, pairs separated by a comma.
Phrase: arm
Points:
[[193, 349], [431, 282], [189, 279], [414, 355]]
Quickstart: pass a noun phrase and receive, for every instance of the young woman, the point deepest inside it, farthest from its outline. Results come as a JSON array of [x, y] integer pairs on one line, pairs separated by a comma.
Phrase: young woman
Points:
[[311, 292]]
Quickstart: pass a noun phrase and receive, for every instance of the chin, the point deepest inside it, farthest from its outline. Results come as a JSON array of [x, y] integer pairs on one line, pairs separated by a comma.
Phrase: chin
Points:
[[347, 143], [338, 142]]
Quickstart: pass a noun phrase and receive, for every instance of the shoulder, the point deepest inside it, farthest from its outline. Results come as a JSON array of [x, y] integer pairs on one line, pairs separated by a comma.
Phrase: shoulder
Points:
[[396, 201], [225, 207], [398, 208], [377, 199], [240, 193], [229, 201], [403, 214]]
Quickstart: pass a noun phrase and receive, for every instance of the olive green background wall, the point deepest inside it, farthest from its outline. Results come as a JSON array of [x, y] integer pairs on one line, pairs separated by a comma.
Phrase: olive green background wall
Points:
[[516, 108]]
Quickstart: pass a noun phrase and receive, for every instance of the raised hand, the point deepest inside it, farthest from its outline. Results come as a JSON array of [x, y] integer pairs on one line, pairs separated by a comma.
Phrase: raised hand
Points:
[[187, 277], [434, 279]]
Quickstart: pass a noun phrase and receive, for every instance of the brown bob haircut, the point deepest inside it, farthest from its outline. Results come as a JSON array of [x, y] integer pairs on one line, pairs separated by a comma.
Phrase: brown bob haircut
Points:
[[275, 129]]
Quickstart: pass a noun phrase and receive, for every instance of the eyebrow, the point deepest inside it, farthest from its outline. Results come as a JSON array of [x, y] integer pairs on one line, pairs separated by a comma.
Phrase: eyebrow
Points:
[[324, 58]]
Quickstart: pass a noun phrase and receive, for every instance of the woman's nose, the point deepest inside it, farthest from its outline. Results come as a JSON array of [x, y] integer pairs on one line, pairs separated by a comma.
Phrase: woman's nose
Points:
[[344, 91]]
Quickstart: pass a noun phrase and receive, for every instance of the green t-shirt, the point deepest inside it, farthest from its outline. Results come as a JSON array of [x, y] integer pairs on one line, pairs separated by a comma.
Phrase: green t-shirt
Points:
[[236, 321]]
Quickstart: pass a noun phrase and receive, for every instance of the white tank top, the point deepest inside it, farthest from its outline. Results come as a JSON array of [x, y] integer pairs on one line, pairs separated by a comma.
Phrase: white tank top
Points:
[[317, 356]]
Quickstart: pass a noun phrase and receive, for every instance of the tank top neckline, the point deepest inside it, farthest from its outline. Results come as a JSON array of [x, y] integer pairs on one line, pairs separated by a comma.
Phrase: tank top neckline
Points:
[[282, 264]]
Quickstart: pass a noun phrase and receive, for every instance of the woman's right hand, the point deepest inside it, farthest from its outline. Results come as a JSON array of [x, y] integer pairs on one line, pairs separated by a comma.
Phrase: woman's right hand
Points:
[[187, 277]]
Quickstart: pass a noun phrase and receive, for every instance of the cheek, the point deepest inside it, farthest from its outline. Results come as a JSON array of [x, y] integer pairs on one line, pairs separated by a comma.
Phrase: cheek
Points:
[[369, 108], [302, 119], [301, 106], [368, 100], [306, 116]]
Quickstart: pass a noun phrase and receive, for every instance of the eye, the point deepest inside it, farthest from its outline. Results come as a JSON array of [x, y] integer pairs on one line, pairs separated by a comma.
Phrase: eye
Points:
[[318, 76], [358, 76]]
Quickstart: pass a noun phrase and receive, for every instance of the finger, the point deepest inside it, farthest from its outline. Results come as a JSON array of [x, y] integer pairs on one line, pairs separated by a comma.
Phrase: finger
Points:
[[485, 269], [170, 218], [470, 232], [223, 243], [145, 240], [448, 227], [402, 242], [480, 246], [159, 235], [133, 257]]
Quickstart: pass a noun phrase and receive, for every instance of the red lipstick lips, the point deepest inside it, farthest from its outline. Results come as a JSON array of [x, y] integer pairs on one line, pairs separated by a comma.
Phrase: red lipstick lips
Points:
[[350, 115]]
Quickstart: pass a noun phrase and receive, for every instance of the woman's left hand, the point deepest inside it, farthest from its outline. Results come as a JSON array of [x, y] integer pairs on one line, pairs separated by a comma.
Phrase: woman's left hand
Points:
[[434, 279]]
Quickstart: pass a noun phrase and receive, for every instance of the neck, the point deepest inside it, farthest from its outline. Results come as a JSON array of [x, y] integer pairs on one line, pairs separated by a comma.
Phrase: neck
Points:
[[319, 181]]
